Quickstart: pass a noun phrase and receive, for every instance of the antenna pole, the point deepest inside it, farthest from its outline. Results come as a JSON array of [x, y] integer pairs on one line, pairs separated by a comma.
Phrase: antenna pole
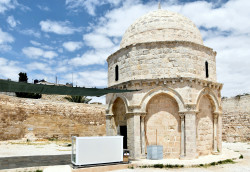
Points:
[[159, 5]]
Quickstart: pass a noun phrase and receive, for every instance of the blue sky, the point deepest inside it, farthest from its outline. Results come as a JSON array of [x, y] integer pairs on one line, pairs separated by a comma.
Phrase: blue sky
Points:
[[49, 38]]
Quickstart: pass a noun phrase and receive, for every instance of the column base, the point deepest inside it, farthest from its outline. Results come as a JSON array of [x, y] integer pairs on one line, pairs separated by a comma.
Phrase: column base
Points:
[[216, 153]]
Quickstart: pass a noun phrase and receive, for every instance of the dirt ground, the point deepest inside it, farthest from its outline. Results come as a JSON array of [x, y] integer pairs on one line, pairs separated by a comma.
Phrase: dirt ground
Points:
[[241, 165]]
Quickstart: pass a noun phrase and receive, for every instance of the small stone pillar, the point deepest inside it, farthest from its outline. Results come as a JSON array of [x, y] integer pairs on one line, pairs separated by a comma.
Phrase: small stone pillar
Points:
[[219, 132], [182, 116], [109, 130], [134, 135], [143, 143], [215, 150], [190, 134]]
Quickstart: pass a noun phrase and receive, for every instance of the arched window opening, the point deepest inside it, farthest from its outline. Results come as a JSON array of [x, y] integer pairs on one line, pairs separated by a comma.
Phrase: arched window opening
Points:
[[116, 73], [206, 66]]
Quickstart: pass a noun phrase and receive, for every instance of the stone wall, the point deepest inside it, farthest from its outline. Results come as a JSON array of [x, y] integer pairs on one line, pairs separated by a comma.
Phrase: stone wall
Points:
[[31, 118], [236, 119], [161, 60], [204, 123], [162, 125]]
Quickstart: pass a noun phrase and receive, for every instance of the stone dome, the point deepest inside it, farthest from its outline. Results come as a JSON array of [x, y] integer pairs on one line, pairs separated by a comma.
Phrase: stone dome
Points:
[[161, 25]]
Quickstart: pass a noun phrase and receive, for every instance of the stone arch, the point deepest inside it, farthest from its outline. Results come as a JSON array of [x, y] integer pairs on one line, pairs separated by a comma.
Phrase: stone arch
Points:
[[113, 99], [119, 112], [205, 126], [211, 95], [163, 118], [207, 104], [158, 90]]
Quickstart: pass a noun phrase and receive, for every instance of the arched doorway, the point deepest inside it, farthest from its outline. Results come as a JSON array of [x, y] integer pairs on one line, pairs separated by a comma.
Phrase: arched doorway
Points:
[[204, 125], [119, 111], [163, 116]]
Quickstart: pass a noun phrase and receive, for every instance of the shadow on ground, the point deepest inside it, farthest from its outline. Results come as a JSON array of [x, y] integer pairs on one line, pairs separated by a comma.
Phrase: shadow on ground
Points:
[[34, 161]]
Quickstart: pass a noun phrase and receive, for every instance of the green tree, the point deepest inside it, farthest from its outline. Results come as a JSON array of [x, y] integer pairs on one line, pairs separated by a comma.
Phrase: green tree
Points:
[[23, 78], [78, 99]]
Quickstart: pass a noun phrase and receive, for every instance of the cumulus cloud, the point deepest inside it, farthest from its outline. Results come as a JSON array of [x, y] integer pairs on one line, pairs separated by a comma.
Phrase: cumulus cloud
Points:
[[58, 27], [43, 8], [9, 69], [5, 39], [97, 41], [92, 57], [89, 5], [34, 52], [39, 66], [12, 22], [6, 5], [72, 46], [89, 78], [30, 32]]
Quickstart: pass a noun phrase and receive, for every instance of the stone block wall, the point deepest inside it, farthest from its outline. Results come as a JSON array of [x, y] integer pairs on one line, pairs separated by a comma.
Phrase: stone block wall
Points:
[[161, 60], [236, 119], [44, 119]]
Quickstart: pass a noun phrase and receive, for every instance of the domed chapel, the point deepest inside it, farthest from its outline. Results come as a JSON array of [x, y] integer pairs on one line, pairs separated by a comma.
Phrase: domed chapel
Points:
[[178, 104]]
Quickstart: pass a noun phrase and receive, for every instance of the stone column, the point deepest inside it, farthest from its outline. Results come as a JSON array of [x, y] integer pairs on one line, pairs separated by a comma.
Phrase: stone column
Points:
[[143, 148], [182, 116], [219, 132], [190, 135], [109, 130], [134, 135], [215, 132]]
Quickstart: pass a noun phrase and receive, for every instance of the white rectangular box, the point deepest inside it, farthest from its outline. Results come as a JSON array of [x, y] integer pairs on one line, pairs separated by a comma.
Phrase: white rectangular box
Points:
[[97, 150]]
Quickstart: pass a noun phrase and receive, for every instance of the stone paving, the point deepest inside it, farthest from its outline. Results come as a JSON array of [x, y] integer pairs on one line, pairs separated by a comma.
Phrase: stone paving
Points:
[[232, 150], [22, 154]]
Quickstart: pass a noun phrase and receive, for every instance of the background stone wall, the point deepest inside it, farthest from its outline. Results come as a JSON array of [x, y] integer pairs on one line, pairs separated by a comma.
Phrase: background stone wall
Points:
[[236, 119], [44, 119]]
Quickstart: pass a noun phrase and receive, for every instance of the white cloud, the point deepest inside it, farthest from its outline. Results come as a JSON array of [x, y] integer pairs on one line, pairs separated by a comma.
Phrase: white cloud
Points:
[[38, 66], [35, 43], [9, 69], [58, 27], [5, 37], [30, 32], [34, 52], [5, 47], [96, 78], [12, 22], [97, 41], [72, 46], [6, 5], [91, 57], [89, 5], [43, 8]]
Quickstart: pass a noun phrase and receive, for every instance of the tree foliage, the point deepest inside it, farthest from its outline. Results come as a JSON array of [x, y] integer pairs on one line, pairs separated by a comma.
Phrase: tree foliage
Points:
[[23, 78], [78, 99]]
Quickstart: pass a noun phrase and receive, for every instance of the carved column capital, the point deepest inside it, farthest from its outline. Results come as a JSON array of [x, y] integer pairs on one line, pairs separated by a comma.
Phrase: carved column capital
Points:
[[142, 114], [109, 116]]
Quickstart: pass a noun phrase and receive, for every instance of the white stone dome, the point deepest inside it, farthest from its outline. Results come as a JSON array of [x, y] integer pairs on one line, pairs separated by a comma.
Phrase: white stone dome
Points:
[[161, 25]]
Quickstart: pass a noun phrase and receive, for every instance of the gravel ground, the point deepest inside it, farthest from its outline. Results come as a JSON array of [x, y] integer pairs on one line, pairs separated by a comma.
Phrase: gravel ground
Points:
[[241, 165], [23, 148]]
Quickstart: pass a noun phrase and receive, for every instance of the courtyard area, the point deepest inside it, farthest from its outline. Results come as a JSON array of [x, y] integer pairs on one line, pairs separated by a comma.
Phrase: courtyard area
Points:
[[30, 156]]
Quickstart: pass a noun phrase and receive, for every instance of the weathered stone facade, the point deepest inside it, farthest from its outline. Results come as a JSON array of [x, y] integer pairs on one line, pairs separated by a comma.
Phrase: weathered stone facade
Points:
[[178, 102], [43, 119], [236, 119]]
